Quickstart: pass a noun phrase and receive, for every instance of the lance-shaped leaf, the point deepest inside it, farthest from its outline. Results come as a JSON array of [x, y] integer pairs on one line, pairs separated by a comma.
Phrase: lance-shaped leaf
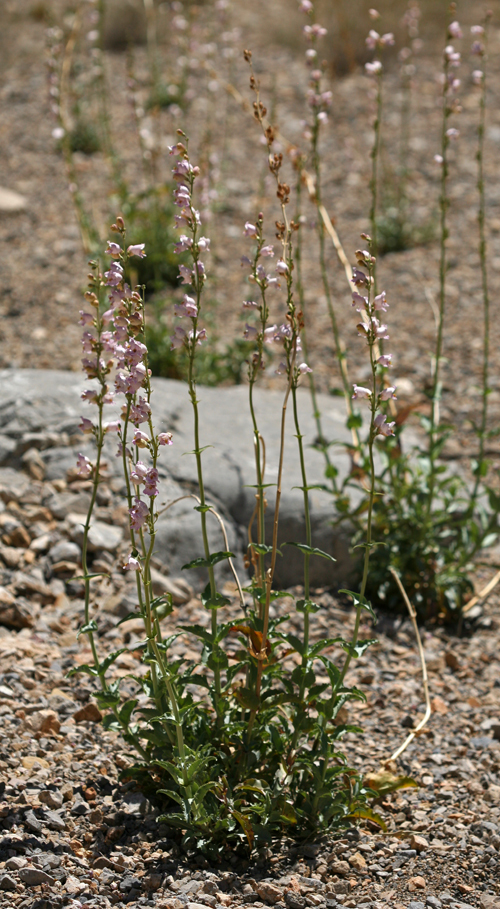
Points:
[[213, 602], [311, 550], [208, 563], [359, 648], [360, 602], [86, 629], [383, 782], [368, 815]]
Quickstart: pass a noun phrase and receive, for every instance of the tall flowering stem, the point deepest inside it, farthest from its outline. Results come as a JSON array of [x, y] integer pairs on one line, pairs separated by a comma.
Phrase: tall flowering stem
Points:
[[370, 328], [288, 335], [376, 42], [451, 60], [479, 48], [262, 280], [320, 101], [188, 219], [321, 442]]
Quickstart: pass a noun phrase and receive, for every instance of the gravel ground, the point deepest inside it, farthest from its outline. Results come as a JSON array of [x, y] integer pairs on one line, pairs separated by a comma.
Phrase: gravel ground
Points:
[[73, 835]]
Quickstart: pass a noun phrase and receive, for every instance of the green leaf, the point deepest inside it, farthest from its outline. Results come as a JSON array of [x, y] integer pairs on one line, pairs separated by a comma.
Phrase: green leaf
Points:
[[131, 615], [208, 563], [354, 421], [295, 642], [127, 710], [202, 508], [368, 815], [261, 548], [85, 629], [110, 659], [307, 606], [88, 577], [85, 668], [196, 451], [359, 648], [360, 602], [311, 550], [216, 602], [247, 698], [384, 782], [246, 825], [199, 631]]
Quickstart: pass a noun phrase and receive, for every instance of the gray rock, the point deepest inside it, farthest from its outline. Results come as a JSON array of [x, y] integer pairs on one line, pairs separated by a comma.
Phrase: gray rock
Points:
[[417, 904], [65, 550], [16, 862], [7, 449], [63, 503], [54, 821], [101, 536], [33, 877], [7, 882], [32, 823], [51, 797], [433, 902], [80, 808]]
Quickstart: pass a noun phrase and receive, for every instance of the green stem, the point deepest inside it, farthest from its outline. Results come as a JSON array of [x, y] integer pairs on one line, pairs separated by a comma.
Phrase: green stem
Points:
[[375, 154]]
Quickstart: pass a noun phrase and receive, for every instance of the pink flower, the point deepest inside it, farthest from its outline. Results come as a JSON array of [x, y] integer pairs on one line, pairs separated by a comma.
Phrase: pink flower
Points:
[[380, 302], [136, 378], [438, 159], [250, 304], [85, 425], [281, 267], [387, 40], [138, 514], [314, 31], [360, 303], [360, 392], [359, 278], [373, 69], [454, 30], [165, 438], [84, 466], [379, 331], [137, 249], [373, 14], [183, 244], [181, 170], [204, 244], [186, 274], [270, 334], [201, 335], [372, 40], [115, 274], [385, 360], [132, 564], [477, 77], [303, 368], [112, 426], [86, 318], [477, 30], [139, 473], [140, 439], [250, 332], [113, 249], [282, 368], [306, 6], [267, 251], [452, 133], [90, 396], [151, 483], [187, 308], [388, 393], [178, 339], [382, 426], [250, 230]]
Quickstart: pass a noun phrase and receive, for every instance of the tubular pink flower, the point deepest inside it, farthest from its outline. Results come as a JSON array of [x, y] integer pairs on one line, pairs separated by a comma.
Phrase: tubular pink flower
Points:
[[86, 318], [136, 378], [303, 368], [250, 332], [139, 412], [165, 438], [179, 337], [140, 439], [267, 251], [250, 230], [184, 243], [359, 278], [388, 393], [139, 473], [137, 249], [380, 302], [112, 426], [138, 514], [359, 303], [387, 40], [385, 360], [85, 425], [382, 426], [151, 482], [306, 6], [84, 466], [270, 334], [132, 564], [187, 308], [90, 396], [372, 39], [186, 274], [373, 69], [360, 392], [204, 244], [477, 77], [250, 304], [113, 249], [454, 30], [477, 30]]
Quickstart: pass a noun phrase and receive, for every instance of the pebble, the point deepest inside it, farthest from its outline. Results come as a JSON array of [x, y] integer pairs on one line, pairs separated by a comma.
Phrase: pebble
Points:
[[51, 797], [7, 882], [33, 877]]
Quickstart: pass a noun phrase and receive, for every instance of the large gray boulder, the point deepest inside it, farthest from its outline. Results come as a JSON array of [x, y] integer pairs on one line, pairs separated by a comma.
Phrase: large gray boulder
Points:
[[38, 403]]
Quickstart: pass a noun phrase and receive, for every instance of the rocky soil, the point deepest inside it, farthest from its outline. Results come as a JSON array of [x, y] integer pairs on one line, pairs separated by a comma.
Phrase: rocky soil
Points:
[[73, 835]]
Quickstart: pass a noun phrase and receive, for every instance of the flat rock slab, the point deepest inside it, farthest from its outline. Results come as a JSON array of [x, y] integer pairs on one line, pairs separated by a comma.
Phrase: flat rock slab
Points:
[[44, 401]]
